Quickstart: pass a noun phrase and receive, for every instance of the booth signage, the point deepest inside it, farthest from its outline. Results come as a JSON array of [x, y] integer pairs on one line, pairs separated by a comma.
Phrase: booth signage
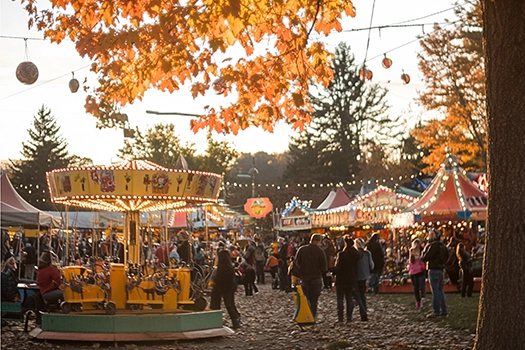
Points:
[[258, 207]]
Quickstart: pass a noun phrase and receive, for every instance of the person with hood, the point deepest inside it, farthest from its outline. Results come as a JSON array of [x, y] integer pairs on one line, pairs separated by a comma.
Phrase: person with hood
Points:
[[374, 247], [224, 286], [48, 279], [435, 254]]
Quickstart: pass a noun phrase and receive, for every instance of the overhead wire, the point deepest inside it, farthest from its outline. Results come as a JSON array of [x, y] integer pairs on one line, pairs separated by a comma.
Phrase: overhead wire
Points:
[[369, 28]]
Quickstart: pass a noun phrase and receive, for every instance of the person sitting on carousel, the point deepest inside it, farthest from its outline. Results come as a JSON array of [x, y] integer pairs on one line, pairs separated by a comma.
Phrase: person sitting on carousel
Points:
[[48, 279]]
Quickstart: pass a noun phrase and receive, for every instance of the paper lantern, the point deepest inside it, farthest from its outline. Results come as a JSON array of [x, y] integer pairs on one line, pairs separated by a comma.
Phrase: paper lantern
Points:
[[74, 84], [405, 78], [219, 86], [386, 62], [365, 74], [27, 72]]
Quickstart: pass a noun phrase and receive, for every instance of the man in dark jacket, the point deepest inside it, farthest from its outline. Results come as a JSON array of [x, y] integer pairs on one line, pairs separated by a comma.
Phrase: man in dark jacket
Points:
[[346, 281], [374, 247], [435, 255], [310, 262]]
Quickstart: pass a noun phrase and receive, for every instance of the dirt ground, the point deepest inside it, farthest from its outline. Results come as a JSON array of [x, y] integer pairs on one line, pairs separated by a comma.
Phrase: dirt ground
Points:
[[267, 324]]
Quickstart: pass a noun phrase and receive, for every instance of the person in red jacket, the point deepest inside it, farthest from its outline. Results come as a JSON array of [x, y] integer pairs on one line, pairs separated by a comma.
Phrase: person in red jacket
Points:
[[48, 279]]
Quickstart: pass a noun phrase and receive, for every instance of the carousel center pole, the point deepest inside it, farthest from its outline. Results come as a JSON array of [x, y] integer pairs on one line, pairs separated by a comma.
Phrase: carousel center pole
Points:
[[131, 238]]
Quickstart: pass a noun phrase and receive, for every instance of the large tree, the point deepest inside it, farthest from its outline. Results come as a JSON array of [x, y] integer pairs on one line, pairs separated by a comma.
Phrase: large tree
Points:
[[501, 314], [349, 116], [164, 45], [46, 150], [159, 145], [452, 65]]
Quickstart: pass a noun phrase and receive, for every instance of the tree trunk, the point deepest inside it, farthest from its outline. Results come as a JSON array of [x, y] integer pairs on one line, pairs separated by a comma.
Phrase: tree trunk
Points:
[[502, 306]]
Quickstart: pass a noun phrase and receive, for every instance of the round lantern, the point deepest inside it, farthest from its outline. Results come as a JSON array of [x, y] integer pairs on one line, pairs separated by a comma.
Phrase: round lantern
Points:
[[27, 72], [219, 86], [365, 74], [386, 62], [73, 84], [405, 78]]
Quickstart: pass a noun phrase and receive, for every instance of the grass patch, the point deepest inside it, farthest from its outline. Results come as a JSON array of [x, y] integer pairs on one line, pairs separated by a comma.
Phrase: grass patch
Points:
[[462, 312]]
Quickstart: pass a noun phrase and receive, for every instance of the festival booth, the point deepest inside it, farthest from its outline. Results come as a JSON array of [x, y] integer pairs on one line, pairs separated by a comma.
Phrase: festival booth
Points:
[[364, 214], [128, 302], [17, 212], [451, 203]]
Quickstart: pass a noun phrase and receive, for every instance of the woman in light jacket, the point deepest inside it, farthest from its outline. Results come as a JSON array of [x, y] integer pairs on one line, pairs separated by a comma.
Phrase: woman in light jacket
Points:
[[364, 267]]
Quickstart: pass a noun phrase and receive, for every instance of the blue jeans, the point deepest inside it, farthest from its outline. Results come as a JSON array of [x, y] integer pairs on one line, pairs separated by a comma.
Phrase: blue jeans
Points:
[[312, 290], [373, 283], [347, 293], [439, 302]]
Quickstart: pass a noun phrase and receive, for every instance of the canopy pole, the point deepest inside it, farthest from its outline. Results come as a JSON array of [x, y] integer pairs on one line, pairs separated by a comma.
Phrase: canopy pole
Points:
[[66, 256]]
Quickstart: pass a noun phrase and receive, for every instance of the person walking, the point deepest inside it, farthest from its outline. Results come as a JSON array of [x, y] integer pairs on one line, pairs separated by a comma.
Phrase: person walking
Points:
[[465, 264], [224, 286], [30, 261], [260, 259], [374, 247], [435, 254], [345, 271], [310, 262], [417, 272], [364, 266]]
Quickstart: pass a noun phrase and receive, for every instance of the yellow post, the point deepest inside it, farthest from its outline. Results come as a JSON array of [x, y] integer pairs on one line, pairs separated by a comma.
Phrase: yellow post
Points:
[[302, 315]]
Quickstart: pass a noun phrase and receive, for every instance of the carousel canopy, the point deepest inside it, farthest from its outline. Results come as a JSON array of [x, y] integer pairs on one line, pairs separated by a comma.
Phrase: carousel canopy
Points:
[[450, 196], [135, 185], [15, 211]]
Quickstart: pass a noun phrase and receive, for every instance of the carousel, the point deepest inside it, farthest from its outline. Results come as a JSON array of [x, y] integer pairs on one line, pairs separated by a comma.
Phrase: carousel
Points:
[[130, 300]]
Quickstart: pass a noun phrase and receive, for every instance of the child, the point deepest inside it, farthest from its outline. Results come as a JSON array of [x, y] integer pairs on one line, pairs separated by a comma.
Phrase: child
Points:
[[417, 271]]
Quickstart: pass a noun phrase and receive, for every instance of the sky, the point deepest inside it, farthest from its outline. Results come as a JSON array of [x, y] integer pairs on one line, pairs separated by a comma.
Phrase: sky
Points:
[[19, 103]]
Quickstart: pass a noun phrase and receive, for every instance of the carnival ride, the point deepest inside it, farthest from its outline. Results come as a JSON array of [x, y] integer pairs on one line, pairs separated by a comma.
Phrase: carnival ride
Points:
[[135, 301]]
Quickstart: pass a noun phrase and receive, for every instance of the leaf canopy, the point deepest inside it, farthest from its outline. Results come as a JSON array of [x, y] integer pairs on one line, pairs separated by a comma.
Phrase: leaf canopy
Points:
[[142, 44]]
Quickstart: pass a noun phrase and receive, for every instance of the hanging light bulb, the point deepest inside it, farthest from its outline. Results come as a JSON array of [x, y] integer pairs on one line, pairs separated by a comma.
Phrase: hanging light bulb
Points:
[[386, 62], [365, 74], [405, 78], [73, 84]]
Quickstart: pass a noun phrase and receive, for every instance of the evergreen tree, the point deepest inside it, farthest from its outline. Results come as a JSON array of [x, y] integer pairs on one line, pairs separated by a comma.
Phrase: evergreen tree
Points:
[[348, 115], [45, 151]]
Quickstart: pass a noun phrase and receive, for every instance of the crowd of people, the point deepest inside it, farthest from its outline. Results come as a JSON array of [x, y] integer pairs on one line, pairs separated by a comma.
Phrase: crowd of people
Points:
[[349, 266]]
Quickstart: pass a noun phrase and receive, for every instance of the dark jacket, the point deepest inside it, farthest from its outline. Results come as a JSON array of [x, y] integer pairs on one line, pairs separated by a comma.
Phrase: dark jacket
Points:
[[311, 262], [374, 247], [224, 277], [9, 285], [434, 255], [346, 267]]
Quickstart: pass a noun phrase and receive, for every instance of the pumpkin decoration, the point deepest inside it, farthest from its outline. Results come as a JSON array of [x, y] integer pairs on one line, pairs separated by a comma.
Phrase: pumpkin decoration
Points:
[[27, 73], [219, 85], [405, 78], [365, 74], [386, 62], [73, 84]]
